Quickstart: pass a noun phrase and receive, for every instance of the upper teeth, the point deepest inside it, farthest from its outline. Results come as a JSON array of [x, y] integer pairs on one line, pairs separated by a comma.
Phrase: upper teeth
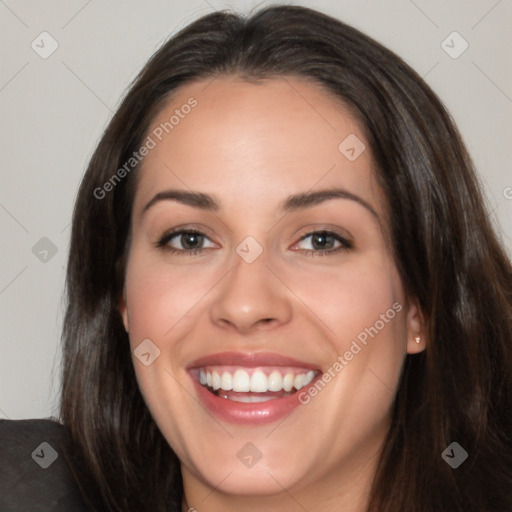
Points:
[[258, 381]]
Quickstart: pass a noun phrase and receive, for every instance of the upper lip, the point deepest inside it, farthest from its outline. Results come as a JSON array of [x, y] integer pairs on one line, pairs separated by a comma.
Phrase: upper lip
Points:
[[250, 360]]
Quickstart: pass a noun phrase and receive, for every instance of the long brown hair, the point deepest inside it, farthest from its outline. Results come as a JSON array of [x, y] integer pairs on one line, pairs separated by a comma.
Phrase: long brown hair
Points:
[[449, 258]]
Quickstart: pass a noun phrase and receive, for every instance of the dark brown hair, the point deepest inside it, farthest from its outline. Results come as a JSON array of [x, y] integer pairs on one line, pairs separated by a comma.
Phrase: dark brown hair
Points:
[[449, 259]]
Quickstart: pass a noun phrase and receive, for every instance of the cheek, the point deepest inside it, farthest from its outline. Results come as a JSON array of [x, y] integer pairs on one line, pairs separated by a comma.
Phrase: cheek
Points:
[[148, 301], [363, 306], [160, 297], [367, 303], [353, 297]]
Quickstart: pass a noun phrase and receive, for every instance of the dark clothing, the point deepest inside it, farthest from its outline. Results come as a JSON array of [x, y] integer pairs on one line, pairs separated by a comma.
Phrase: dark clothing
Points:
[[34, 475]]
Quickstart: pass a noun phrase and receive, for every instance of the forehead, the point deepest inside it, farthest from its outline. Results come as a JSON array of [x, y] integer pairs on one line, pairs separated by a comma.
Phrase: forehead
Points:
[[255, 142]]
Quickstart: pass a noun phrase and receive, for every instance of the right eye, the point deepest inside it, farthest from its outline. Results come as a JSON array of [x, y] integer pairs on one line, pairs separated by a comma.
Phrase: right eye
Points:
[[185, 242]]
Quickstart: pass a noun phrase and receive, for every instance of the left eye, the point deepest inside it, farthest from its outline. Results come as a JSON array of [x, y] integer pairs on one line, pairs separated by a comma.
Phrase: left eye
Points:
[[322, 241]]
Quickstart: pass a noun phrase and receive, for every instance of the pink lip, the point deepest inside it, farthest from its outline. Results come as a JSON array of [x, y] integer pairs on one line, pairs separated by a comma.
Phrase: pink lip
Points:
[[249, 359], [248, 413]]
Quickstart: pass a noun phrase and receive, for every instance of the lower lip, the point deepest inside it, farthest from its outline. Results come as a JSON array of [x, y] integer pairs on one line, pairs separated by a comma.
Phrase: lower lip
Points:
[[255, 413]]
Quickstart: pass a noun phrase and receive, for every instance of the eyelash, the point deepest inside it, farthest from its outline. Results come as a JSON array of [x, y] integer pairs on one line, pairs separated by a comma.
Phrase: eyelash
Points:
[[165, 239]]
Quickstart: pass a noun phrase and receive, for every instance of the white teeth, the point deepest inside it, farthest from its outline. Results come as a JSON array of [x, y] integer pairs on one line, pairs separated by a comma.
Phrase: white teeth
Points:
[[288, 381], [259, 382], [298, 382], [241, 381], [226, 381], [275, 381], [215, 381]]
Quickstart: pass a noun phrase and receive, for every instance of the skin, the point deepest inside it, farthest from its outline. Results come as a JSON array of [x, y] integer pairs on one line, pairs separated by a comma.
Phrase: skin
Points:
[[251, 146]]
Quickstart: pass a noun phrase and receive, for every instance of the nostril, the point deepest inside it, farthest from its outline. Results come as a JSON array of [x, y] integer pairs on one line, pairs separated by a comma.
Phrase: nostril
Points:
[[266, 320]]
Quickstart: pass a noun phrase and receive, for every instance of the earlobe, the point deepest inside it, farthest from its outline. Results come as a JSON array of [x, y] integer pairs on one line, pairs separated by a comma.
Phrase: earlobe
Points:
[[124, 311], [416, 335]]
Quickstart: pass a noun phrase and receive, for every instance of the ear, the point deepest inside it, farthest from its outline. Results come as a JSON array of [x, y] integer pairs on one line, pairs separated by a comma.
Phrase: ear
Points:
[[124, 311], [416, 329]]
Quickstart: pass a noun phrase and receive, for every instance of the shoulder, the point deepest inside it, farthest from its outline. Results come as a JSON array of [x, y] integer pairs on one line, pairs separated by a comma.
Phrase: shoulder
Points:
[[23, 430], [34, 474]]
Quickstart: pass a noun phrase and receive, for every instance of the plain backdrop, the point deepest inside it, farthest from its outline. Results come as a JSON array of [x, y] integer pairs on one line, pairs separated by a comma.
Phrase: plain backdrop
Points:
[[54, 109]]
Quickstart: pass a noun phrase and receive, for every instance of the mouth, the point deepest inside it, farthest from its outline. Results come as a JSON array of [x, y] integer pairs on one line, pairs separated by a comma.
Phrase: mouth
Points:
[[251, 388], [251, 385]]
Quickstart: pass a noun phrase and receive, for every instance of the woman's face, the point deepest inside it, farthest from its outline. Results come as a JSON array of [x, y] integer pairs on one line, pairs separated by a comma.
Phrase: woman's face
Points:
[[258, 263]]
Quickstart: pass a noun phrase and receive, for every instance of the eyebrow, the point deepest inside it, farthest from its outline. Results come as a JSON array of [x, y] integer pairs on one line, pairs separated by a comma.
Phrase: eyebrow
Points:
[[291, 203], [194, 199], [308, 199]]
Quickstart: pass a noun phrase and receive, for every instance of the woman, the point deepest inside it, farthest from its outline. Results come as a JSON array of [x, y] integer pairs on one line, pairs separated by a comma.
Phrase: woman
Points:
[[284, 292]]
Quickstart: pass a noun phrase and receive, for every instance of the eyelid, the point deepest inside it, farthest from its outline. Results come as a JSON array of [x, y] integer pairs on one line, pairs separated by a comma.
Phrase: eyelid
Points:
[[200, 229], [325, 228]]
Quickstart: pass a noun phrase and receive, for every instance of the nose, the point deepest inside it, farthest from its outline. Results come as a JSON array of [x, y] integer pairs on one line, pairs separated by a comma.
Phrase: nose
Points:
[[251, 298]]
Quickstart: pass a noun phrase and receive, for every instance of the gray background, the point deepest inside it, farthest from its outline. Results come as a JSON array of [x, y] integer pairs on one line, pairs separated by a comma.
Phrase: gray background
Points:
[[54, 110]]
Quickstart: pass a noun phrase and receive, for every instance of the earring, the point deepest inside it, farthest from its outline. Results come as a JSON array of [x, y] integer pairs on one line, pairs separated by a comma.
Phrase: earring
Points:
[[417, 339]]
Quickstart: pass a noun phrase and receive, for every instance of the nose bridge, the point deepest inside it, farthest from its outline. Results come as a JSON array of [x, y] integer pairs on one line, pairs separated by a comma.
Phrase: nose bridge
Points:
[[251, 295]]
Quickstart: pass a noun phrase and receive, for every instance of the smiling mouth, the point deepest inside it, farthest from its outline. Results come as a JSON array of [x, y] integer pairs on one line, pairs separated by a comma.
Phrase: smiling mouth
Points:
[[250, 385]]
